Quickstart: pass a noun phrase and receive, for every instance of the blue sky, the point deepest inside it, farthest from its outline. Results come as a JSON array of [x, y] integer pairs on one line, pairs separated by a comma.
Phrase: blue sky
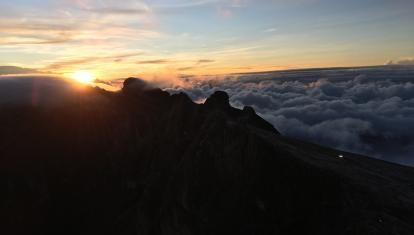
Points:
[[168, 38]]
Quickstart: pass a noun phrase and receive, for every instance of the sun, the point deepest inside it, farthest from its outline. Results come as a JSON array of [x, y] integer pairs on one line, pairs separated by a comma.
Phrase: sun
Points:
[[83, 76]]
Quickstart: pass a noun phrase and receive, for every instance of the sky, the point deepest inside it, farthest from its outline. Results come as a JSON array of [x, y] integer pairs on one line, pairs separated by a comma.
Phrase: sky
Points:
[[159, 38]]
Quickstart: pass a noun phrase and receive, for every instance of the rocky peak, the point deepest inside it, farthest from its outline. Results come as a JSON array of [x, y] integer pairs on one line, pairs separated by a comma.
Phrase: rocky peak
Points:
[[135, 84], [218, 99], [249, 111]]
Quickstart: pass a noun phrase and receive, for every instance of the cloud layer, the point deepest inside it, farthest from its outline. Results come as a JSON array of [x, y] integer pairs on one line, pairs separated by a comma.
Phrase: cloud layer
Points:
[[362, 110], [367, 110]]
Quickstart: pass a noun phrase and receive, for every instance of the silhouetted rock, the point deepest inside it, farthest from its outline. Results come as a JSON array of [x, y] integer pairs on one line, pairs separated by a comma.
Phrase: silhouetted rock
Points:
[[135, 84], [141, 161], [219, 99], [249, 111]]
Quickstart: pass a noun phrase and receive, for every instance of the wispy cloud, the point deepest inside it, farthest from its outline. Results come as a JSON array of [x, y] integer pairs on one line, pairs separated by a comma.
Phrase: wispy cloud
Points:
[[99, 81], [121, 11], [234, 50], [270, 30], [403, 61], [19, 41], [160, 61], [126, 7], [70, 62], [204, 61], [196, 64], [186, 68], [77, 22], [183, 4], [39, 32], [18, 32], [14, 70]]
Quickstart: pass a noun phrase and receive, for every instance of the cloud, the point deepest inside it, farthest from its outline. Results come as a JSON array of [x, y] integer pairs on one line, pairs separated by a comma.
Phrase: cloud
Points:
[[406, 61], [33, 39], [132, 7], [109, 83], [121, 11], [70, 62], [67, 63], [368, 111], [35, 31], [74, 31], [120, 57], [110, 6], [270, 30], [183, 4], [196, 64], [186, 68], [76, 22], [13, 70], [204, 61], [160, 61]]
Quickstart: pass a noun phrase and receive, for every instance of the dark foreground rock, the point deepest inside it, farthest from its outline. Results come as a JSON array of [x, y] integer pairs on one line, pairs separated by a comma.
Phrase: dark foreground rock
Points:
[[142, 161]]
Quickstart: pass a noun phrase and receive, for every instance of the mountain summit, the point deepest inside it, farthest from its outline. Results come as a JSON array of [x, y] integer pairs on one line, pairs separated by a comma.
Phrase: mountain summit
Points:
[[142, 161]]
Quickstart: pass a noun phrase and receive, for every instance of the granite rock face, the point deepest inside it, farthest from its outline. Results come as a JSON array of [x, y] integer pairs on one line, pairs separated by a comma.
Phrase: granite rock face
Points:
[[142, 161]]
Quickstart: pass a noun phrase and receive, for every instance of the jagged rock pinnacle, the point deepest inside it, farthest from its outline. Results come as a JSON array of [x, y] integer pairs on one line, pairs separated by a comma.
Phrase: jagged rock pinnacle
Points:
[[135, 84], [219, 99]]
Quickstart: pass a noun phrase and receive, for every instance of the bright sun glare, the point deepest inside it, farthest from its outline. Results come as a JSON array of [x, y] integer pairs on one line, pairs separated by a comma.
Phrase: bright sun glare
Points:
[[83, 76]]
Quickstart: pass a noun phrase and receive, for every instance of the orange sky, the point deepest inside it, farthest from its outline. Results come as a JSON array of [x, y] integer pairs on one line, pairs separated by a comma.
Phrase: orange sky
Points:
[[163, 39]]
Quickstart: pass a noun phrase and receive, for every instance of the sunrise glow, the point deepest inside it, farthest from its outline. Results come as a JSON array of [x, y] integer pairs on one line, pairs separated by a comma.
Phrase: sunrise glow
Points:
[[83, 76], [180, 38]]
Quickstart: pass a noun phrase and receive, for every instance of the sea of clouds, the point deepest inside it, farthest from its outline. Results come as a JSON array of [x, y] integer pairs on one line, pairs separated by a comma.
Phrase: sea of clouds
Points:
[[362, 110]]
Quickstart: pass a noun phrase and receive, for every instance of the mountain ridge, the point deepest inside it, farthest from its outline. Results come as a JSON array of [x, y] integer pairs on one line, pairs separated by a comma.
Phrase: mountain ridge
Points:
[[144, 161]]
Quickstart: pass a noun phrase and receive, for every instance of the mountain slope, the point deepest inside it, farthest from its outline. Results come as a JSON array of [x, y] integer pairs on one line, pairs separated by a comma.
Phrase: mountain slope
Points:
[[142, 161]]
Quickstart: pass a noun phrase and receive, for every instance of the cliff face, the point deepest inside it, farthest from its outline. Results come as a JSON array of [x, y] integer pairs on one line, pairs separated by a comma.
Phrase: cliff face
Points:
[[142, 161]]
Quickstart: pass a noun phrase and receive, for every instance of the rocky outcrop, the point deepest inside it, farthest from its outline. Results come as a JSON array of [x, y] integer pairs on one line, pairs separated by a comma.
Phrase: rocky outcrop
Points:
[[218, 100]]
